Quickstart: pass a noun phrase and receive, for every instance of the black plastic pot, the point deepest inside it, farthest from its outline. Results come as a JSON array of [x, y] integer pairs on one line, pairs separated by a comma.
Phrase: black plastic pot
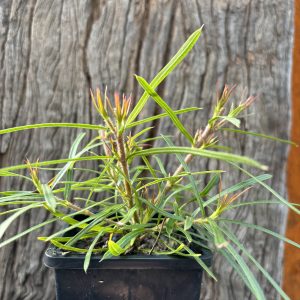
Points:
[[126, 277]]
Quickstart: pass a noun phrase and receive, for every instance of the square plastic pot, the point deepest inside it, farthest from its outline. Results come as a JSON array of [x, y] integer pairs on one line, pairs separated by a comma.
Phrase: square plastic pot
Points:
[[137, 277]]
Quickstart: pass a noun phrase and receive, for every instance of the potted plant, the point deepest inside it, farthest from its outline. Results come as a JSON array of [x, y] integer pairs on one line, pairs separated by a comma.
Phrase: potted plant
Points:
[[133, 230]]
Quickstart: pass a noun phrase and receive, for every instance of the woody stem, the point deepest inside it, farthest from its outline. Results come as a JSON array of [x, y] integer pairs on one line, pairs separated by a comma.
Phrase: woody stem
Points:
[[189, 157], [124, 166]]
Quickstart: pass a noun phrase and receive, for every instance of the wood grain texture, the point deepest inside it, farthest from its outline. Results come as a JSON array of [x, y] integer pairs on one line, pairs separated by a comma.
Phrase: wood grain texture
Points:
[[51, 52]]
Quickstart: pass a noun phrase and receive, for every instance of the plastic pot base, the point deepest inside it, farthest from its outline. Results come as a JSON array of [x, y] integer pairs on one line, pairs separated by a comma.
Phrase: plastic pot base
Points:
[[126, 277]]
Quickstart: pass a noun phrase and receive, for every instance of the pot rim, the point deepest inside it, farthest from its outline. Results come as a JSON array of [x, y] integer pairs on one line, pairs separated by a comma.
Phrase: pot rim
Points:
[[53, 259]]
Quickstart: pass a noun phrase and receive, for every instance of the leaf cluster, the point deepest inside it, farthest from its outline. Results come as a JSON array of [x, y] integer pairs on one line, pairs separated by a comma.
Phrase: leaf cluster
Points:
[[130, 203]]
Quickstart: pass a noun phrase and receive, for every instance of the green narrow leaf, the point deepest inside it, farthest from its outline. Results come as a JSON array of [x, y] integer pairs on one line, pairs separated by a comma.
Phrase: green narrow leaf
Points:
[[128, 216], [280, 198], [212, 183], [10, 211], [68, 185], [115, 249], [20, 196], [251, 279], [140, 133], [7, 222], [186, 233], [172, 252], [49, 197], [238, 186], [191, 178], [149, 167], [236, 268], [75, 238], [263, 229], [84, 223], [236, 122], [69, 165], [195, 212], [55, 162], [27, 231], [163, 73], [7, 173], [147, 87], [188, 223], [161, 211], [59, 239], [160, 116], [124, 241], [260, 135], [161, 166], [219, 238], [223, 244], [249, 203], [11, 174], [200, 262], [256, 263], [170, 226], [163, 201], [48, 125], [17, 203], [228, 157], [67, 169], [71, 248], [88, 255]]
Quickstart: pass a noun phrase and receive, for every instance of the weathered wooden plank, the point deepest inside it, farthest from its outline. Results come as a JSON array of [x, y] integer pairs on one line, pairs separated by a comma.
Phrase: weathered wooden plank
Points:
[[51, 52], [291, 274]]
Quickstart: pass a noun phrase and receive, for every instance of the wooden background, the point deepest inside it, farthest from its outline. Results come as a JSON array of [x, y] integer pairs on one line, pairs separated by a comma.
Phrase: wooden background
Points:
[[291, 257], [51, 52]]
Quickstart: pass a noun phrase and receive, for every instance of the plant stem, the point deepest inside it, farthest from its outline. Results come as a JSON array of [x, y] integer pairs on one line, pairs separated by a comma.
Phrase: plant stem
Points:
[[199, 142], [124, 166], [189, 157], [78, 208], [158, 236]]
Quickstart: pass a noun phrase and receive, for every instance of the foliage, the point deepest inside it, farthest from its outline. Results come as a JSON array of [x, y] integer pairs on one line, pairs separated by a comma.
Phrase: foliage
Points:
[[130, 202]]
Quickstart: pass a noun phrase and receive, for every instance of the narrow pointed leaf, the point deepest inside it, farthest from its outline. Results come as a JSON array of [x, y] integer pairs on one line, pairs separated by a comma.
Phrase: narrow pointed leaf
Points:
[[165, 71], [188, 223], [259, 294], [115, 249], [160, 116], [124, 241], [147, 87], [263, 229], [88, 255], [72, 154], [49, 197], [200, 262], [48, 125], [280, 198], [212, 183], [27, 231], [257, 264], [6, 223], [54, 162], [238, 186], [228, 157], [261, 135], [236, 122], [170, 226], [191, 178]]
